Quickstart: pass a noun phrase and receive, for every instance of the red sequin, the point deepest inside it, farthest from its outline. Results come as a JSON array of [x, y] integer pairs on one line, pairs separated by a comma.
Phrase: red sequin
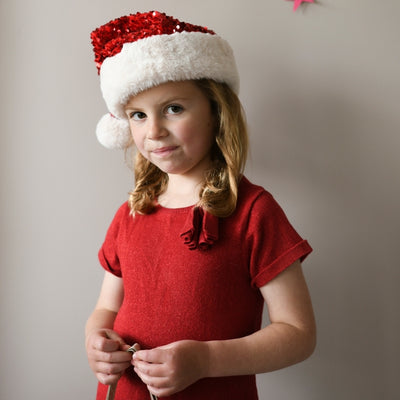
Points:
[[108, 40]]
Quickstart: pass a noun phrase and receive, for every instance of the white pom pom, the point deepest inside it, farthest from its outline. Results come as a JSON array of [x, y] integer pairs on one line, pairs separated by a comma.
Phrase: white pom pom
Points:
[[112, 132]]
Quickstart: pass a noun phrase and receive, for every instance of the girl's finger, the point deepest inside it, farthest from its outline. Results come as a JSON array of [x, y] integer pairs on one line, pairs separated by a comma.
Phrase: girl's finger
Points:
[[112, 357], [153, 381], [154, 356], [106, 379], [112, 369], [150, 369]]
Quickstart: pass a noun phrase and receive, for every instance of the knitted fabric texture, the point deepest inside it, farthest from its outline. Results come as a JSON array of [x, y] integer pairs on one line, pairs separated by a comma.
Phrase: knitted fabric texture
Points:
[[174, 293]]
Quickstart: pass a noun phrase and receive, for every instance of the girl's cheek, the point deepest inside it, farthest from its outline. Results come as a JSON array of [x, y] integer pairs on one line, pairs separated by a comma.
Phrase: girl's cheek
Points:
[[137, 142]]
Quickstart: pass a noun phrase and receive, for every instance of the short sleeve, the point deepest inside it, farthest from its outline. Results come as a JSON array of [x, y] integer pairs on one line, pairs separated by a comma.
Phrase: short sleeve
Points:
[[274, 243], [108, 253]]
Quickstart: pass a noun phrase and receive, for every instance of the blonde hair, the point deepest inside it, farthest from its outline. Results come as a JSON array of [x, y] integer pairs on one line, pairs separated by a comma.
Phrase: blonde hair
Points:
[[218, 194]]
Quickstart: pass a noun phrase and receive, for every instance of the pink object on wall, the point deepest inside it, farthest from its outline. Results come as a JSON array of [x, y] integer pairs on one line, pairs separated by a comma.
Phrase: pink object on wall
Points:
[[297, 3]]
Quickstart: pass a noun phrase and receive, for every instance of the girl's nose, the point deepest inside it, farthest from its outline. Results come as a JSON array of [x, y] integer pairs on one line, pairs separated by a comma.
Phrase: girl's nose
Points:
[[156, 129]]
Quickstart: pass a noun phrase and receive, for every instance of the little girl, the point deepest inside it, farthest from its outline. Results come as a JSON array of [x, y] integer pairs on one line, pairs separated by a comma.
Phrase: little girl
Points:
[[197, 249]]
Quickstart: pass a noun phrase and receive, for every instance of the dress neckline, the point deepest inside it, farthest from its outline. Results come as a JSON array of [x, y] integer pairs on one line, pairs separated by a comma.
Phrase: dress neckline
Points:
[[200, 229], [174, 210]]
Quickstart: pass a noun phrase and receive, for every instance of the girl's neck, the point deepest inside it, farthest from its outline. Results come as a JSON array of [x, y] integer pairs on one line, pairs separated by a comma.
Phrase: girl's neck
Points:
[[181, 192]]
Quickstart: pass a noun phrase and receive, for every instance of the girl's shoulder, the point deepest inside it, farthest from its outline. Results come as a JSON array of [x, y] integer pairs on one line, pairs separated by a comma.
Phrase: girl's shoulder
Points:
[[257, 204], [249, 193], [121, 217], [123, 212]]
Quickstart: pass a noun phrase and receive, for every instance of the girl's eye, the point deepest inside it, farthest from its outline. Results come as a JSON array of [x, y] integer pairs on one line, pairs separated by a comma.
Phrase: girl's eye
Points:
[[137, 115], [174, 109]]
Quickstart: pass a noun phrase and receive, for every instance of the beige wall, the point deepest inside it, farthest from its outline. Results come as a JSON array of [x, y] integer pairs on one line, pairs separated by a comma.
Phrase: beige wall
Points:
[[321, 90]]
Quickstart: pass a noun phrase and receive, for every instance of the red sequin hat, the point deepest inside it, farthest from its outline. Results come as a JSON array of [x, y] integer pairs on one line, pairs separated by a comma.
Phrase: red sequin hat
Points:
[[139, 51]]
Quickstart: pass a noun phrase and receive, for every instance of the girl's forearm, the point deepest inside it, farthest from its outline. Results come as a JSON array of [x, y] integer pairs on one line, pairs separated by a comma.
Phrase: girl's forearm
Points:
[[277, 346], [100, 319]]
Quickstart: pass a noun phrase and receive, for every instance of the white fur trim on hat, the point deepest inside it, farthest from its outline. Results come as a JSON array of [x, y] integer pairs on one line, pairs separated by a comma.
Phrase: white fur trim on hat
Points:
[[112, 132], [161, 58]]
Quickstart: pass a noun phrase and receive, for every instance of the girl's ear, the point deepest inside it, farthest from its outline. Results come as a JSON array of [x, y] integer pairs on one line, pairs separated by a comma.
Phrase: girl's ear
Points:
[[113, 132]]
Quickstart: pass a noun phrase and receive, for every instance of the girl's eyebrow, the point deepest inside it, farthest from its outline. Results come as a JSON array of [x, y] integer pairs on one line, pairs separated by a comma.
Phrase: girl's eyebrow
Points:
[[161, 103], [173, 99]]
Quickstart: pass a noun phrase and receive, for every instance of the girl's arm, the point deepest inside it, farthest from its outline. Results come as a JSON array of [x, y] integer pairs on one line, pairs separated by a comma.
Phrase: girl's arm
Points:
[[105, 349], [288, 339]]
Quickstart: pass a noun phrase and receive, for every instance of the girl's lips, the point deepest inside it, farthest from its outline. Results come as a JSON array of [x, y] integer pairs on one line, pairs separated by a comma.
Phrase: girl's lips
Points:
[[162, 151]]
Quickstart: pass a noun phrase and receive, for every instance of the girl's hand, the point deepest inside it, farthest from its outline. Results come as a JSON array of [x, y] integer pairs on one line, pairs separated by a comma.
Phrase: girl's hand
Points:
[[107, 355], [171, 368]]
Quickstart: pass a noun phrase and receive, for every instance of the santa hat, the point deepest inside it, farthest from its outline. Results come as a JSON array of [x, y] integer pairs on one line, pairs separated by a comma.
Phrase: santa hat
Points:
[[139, 51]]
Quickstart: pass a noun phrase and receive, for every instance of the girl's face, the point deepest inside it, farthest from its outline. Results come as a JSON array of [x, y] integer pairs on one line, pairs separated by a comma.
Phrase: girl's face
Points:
[[173, 127]]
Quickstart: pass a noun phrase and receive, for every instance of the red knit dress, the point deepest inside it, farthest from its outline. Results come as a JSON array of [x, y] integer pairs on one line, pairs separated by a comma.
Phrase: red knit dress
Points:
[[190, 275]]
